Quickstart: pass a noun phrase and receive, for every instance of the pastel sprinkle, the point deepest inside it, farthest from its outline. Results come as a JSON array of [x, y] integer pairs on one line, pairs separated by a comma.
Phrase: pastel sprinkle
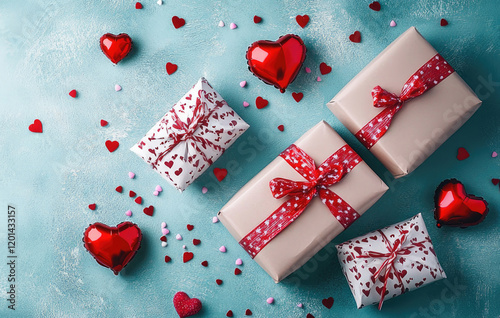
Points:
[[184, 246], [221, 24], [155, 193], [245, 104], [215, 219], [222, 249], [270, 300], [160, 2], [163, 225], [204, 190], [494, 154], [178, 237], [308, 70], [393, 23], [299, 305], [243, 83], [233, 26], [118, 88], [163, 244], [239, 262], [165, 231], [131, 175], [128, 213], [158, 188], [318, 79]]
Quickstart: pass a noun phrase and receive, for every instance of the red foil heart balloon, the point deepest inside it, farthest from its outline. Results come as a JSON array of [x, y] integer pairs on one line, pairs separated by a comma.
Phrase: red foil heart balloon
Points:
[[116, 47], [113, 247], [454, 207], [277, 63]]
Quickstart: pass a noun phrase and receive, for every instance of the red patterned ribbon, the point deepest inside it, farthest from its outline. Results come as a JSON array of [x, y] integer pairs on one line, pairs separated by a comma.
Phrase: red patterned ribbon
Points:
[[301, 193], [185, 130], [394, 252], [428, 76]]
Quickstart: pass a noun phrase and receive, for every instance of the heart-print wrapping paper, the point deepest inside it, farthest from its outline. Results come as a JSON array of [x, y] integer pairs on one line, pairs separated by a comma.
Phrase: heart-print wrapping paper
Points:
[[414, 261], [191, 136]]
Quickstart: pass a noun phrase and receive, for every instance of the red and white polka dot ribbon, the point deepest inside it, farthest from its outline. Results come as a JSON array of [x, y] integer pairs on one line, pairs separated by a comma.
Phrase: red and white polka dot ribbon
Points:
[[425, 78], [301, 193]]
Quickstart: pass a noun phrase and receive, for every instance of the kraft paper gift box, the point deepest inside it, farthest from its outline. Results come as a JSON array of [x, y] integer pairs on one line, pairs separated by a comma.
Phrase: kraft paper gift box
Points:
[[389, 262], [255, 208], [191, 136], [422, 123]]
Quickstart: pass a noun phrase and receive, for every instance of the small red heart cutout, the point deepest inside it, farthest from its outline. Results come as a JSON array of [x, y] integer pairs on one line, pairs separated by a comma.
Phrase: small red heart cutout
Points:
[[178, 22], [443, 22], [462, 154], [229, 313], [248, 312], [112, 145], [454, 207], [297, 96], [119, 189], [36, 127], [257, 19], [495, 181], [116, 47], [190, 227], [309, 316], [167, 259], [355, 37], [302, 20], [103, 123], [237, 271], [149, 210], [196, 242], [220, 173], [204, 263], [375, 6], [327, 302], [138, 5], [131, 194], [218, 281], [261, 102], [186, 306], [73, 93], [324, 68], [187, 256], [138, 200], [171, 68], [281, 128], [92, 206]]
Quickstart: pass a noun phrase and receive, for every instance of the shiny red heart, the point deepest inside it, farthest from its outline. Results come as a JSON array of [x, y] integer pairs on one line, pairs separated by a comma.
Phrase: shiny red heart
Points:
[[277, 63], [112, 145], [36, 127], [113, 247], [220, 173], [355, 37], [186, 306], [116, 47], [454, 207]]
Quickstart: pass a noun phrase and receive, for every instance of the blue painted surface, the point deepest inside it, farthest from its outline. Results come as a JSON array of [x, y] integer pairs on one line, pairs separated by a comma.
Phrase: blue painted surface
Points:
[[48, 48]]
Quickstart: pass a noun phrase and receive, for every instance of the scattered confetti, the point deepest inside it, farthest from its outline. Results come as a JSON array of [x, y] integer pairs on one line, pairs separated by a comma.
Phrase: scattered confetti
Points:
[[297, 96], [261, 102], [218, 281], [73, 93], [248, 312], [204, 263], [119, 189], [178, 237], [163, 238], [103, 123], [393, 23], [375, 6], [164, 244], [257, 19], [167, 258], [324, 68], [155, 193], [184, 247], [178, 22], [221, 24], [327, 302], [318, 79], [138, 5], [229, 313], [220, 173], [149, 210], [308, 70], [270, 300], [165, 231], [158, 188], [215, 219], [246, 104], [187, 256], [92, 206], [112, 145], [131, 175], [36, 127], [309, 316], [495, 181], [160, 2], [494, 154], [138, 200], [163, 225], [281, 128], [196, 242], [243, 83], [128, 213], [302, 20], [462, 154], [131, 194], [118, 88], [171, 68], [237, 271], [444, 22], [233, 26], [239, 262], [300, 305], [222, 249], [355, 37], [190, 227]]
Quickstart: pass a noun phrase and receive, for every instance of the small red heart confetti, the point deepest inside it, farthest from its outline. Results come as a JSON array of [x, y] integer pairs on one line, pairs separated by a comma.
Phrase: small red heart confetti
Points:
[[237, 271], [302, 20], [248, 312], [355, 37], [462, 154], [327, 302], [73, 93], [138, 200], [186, 306], [444, 22], [229, 313], [178, 22], [149, 210], [218, 281], [309, 316], [297, 96], [190, 227], [324, 68], [257, 19], [138, 5], [36, 127], [196, 242], [92, 206], [112, 145], [495, 181], [375, 6], [167, 259], [261, 102], [119, 189], [187, 256], [163, 238], [131, 194], [103, 123], [171, 68], [220, 173], [281, 128], [204, 263]]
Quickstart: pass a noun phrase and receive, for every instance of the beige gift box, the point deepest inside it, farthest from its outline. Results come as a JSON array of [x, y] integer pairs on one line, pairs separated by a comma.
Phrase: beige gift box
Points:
[[423, 123], [316, 226]]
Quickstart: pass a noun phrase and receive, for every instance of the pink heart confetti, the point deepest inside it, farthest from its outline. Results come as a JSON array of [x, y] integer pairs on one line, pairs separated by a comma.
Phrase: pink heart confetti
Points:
[[215, 219], [131, 175], [178, 237], [158, 188], [299, 305], [184, 247], [118, 88], [233, 26], [243, 83], [165, 231], [318, 79], [393, 23], [163, 225], [494, 154], [204, 190], [222, 249], [245, 104], [221, 24], [128, 213], [239, 262], [308, 70], [270, 300], [155, 193]]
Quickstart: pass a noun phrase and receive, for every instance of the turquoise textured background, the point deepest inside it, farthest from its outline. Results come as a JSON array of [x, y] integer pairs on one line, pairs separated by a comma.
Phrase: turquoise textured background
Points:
[[48, 48]]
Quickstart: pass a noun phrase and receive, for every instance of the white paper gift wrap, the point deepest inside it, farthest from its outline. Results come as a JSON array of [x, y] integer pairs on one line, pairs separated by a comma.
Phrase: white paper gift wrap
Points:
[[191, 136], [401, 254]]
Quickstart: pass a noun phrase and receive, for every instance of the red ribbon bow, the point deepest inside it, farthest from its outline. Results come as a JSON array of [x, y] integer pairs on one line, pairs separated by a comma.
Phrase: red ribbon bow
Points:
[[301, 193], [394, 252], [425, 78]]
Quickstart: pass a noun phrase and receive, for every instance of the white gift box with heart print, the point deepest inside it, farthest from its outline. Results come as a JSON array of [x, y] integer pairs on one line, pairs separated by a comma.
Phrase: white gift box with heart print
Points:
[[389, 262], [191, 136]]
